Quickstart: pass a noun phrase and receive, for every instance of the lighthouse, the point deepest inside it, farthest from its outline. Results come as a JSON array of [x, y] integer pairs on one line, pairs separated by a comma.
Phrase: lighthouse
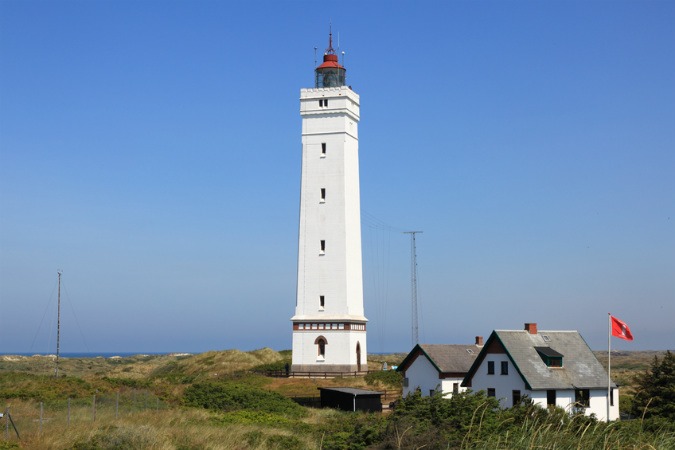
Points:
[[329, 326]]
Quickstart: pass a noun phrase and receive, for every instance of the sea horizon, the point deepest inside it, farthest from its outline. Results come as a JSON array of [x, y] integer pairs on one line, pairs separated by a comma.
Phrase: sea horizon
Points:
[[96, 354]]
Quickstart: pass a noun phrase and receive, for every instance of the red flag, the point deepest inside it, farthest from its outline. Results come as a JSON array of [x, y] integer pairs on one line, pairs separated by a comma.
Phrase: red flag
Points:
[[621, 330]]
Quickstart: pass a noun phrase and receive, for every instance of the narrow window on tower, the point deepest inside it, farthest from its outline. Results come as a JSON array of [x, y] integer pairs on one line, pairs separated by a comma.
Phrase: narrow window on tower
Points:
[[323, 149], [325, 102], [322, 301], [323, 195], [321, 103], [323, 247]]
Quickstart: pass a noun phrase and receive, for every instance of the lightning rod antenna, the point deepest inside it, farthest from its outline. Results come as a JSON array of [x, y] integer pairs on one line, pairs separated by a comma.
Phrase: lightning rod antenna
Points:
[[413, 285], [58, 327]]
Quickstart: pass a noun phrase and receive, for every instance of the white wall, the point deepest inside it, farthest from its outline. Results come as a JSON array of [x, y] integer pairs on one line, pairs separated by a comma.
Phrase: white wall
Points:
[[423, 375], [337, 272], [504, 385], [340, 349]]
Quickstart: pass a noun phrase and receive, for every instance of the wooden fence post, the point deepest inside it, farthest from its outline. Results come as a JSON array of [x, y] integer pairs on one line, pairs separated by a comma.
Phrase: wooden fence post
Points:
[[93, 409], [68, 420]]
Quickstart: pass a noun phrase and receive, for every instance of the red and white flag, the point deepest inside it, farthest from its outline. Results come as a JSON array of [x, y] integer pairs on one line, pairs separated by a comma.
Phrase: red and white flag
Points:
[[620, 329]]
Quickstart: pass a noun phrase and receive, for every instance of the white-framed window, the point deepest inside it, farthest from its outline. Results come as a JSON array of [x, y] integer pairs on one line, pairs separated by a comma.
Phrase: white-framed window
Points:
[[323, 149], [322, 250], [323, 195]]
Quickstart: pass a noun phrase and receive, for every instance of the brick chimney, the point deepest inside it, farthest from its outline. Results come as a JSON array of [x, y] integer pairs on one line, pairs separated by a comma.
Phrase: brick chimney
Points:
[[531, 328], [479, 341]]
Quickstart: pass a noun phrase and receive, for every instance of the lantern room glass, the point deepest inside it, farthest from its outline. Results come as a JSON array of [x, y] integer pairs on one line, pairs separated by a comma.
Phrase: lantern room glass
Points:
[[330, 77]]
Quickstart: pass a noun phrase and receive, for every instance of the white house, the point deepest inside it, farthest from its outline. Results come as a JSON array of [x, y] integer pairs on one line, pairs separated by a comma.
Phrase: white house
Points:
[[553, 368], [433, 367]]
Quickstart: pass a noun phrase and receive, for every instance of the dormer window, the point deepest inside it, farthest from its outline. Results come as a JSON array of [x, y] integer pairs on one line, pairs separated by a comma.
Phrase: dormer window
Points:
[[550, 357]]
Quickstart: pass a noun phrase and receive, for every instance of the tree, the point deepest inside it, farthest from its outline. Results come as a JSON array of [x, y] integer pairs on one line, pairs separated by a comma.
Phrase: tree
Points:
[[655, 389]]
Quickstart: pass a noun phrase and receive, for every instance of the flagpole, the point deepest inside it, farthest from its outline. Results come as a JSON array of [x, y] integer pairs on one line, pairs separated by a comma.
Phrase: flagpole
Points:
[[609, 360]]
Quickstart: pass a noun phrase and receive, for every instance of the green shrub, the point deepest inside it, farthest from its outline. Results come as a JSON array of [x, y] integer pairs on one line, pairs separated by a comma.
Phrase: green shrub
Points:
[[280, 365], [352, 431], [233, 397], [127, 382], [390, 378], [6, 445], [655, 389], [113, 437], [278, 441]]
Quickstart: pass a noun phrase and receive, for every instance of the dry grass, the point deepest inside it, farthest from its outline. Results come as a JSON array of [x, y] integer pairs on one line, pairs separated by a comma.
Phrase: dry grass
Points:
[[150, 429]]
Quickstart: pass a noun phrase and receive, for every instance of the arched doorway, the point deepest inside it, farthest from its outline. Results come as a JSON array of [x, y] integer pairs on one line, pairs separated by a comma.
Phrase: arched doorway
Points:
[[358, 356]]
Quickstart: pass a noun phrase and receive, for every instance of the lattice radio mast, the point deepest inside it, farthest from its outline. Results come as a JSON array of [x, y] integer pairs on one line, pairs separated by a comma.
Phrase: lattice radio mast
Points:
[[58, 328], [413, 283]]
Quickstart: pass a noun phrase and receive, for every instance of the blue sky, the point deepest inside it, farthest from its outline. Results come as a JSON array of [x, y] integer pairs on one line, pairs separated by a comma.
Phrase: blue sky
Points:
[[151, 151]]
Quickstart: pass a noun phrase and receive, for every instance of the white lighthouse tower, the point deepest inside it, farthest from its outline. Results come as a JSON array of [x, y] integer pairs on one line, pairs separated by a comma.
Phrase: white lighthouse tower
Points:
[[329, 326]]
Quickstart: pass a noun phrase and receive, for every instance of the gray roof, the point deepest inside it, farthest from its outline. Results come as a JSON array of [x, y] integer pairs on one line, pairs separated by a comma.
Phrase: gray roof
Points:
[[352, 391], [581, 369], [446, 358]]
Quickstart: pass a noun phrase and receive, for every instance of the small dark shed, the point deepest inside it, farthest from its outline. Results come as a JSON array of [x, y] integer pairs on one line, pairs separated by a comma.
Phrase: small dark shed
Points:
[[351, 399]]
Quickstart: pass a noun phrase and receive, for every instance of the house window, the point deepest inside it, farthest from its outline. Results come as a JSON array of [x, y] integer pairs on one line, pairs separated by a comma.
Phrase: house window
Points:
[[323, 247], [491, 392], [582, 397], [550, 397], [455, 388], [550, 357], [505, 367], [322, 301], [323, 195], [323, 149], [325, 102], [431, 392], [611, 397], [515, 397], [491, 367]]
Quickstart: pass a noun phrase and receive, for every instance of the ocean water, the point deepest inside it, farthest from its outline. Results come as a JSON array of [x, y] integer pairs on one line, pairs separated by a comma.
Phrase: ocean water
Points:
[[94, 354]]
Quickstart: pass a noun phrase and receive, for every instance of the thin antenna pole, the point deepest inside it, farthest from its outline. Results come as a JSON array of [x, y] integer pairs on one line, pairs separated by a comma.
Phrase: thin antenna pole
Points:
[[316, 81], [413, 283], [58, 328], [609, 360]]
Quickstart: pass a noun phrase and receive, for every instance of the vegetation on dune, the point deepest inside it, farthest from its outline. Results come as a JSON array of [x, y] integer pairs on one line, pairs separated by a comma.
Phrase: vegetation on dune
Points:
[[655, 390], [213, 400], [235, 396], [388, 378]]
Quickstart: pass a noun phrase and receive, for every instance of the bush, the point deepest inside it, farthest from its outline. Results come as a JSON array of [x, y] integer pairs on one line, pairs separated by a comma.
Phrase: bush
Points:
[[655, 390], [113, 437], [432, 421], [352, 431], [389, 378], [233, 397]]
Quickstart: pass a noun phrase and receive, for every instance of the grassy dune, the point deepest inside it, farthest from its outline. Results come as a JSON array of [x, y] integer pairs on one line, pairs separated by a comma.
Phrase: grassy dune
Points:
[[140, 402]]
